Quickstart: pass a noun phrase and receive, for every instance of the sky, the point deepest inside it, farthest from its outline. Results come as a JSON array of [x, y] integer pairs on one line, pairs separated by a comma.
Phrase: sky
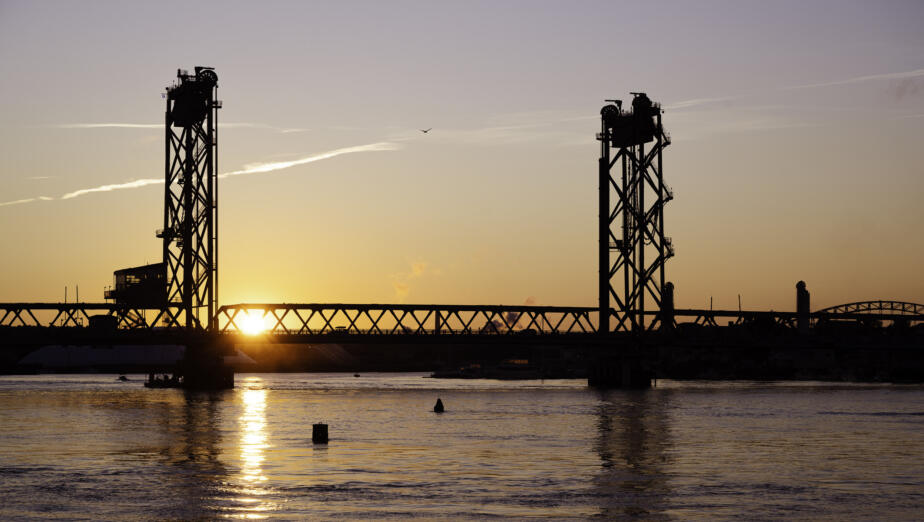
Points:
[[797, 129]]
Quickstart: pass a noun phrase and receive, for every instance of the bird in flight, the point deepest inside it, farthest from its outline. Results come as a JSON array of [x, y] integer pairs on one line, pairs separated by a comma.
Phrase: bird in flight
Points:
[[426, 130]]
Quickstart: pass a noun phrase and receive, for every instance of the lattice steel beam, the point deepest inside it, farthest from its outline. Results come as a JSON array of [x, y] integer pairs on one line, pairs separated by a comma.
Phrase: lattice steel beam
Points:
[[190, 233], [632, 195], [383, 319]]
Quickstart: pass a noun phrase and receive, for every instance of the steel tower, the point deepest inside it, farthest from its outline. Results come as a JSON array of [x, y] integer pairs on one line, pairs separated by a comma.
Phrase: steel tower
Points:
[[632, 199], [190, 233]]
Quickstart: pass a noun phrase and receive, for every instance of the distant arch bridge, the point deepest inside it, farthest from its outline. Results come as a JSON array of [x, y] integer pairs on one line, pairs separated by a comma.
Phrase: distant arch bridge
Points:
[[885, 310]]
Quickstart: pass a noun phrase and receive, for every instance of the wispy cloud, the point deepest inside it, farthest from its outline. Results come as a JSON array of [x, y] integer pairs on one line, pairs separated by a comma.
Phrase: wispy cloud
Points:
[[904, 89], [253, 168], [116, 186], [696, 102], [27, 200], [860, 79], [222, 125], [258, 168], [109, 126], [401, 282], [18, 202]]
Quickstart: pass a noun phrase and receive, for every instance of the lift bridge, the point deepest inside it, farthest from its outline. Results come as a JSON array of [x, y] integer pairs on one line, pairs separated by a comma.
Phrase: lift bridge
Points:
[[179, 296]]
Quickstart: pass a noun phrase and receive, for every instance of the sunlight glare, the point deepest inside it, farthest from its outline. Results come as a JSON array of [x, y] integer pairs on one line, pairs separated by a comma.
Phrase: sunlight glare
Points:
[[254, 322]]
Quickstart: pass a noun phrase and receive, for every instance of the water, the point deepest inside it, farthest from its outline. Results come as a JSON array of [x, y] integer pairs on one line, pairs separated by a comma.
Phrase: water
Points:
[[89, 447]]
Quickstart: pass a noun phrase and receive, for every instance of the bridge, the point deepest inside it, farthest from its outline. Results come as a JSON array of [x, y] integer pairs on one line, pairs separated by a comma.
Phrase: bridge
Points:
[[178, 298], [314, 322]]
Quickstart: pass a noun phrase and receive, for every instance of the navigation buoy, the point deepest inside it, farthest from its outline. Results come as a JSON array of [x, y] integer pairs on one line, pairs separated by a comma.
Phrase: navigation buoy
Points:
[[438, 408], [319, 433]]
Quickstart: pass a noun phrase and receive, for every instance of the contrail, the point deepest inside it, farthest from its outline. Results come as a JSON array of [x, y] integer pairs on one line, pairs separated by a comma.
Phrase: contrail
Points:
[[18, 202], [110, 126], [685, 104], [257, 168], [117, 186], [27, 200], [229, 125], [858, 79], [253, 168]]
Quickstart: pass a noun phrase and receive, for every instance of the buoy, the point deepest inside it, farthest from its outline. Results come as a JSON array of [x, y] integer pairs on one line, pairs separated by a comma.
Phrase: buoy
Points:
[[438, 408], [319, 433]]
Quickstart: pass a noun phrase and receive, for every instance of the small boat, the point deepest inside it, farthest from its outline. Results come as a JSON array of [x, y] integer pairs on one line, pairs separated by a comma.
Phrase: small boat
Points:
[[122, 378], [165, 382]]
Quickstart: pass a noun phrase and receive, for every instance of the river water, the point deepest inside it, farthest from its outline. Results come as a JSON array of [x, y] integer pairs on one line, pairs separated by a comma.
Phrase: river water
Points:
[[89, 447]]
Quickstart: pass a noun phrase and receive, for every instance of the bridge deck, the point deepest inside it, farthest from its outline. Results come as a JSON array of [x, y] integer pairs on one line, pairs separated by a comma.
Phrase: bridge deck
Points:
[[288, 319]]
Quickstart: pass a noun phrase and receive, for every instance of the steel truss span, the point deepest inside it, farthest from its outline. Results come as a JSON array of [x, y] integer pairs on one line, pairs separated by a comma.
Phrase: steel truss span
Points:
[[390, 319], [631, 216], [413, 320], [76, 315]]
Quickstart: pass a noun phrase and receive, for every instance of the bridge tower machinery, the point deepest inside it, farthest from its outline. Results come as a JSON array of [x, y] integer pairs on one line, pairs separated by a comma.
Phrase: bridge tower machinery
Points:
[[190, 233], [632, 246]]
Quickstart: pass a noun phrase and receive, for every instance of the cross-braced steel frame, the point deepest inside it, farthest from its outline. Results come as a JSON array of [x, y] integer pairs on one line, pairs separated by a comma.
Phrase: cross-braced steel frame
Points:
[[376, 320], [190, 233], [631, 216], [76, 315], [391, 319]]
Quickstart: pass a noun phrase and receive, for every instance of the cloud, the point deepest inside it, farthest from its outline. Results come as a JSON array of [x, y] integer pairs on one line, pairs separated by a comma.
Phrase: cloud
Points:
[[859, 79], [905, 83], [117, 186], [253, 168], [696, 102], [906, 88], [222, 125], [109, 126], [401, 282], [418, 269], [18, 202], [259, 168], [401, 289]]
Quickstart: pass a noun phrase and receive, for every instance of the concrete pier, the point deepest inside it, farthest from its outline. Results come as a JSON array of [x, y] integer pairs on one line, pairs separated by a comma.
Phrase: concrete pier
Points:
[[203, 366], [625, 371]]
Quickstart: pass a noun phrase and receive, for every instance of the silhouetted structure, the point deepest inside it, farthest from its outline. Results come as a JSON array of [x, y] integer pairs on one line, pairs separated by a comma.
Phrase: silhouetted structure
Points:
[[140, 286], [631, 224], [182, 291], [803, 306], [190, 233]]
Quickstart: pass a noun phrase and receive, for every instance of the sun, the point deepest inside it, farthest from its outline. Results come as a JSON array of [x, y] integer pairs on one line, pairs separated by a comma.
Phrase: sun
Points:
[[253, 323]]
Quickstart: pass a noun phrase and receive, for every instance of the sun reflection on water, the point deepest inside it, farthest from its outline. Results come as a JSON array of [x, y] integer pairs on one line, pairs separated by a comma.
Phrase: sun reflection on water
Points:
[[253, 446]]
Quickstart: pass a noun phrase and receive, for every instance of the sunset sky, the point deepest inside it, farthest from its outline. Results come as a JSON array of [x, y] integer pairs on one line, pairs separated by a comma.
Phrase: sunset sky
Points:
[[797, 127]]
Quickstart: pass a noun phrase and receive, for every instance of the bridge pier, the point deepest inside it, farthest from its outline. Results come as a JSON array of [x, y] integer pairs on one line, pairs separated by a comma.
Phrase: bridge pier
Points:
[[626, 371], [203, 366]]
